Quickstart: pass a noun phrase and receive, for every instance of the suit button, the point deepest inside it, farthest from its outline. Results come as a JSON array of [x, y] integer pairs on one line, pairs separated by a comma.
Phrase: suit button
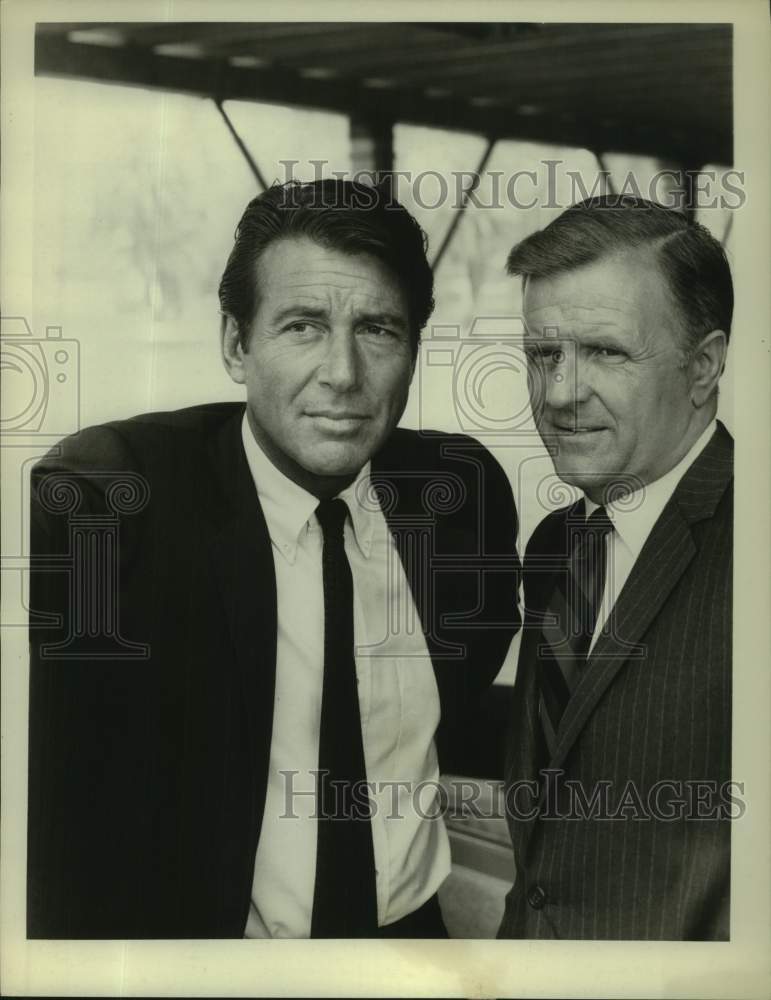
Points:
[[536, 897]]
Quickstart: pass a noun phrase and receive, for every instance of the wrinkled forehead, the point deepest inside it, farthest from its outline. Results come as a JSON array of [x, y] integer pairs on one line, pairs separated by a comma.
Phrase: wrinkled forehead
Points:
[[561, 319], [627, 296], [305, 270]]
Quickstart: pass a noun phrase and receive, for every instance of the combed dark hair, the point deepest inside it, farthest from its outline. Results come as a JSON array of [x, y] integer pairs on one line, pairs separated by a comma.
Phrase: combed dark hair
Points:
[[692, 260], [341, 215]]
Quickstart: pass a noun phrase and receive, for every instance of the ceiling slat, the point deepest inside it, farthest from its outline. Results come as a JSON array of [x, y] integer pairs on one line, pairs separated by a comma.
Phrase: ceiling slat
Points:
[[658, 88]]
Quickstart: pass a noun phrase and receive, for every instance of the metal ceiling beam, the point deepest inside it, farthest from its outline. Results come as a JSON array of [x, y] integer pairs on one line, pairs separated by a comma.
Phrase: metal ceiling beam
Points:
[[372, 145], [216, 78], [256, 172], [458, 217], [600, 157]]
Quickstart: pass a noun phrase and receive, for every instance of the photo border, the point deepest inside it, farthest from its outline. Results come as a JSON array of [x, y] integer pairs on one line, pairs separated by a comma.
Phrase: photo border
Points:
[[462, 968]]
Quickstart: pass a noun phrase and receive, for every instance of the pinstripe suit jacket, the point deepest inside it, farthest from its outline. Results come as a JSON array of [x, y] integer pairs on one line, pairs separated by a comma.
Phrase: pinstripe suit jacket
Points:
[[647, 733]]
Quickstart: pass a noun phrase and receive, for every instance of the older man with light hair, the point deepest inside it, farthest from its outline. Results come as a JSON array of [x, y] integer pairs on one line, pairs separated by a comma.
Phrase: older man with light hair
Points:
[[620, 755]]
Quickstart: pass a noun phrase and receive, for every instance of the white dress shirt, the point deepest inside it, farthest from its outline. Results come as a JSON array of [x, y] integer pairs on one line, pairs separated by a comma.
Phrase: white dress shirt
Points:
[[633, 518], [398, 700]]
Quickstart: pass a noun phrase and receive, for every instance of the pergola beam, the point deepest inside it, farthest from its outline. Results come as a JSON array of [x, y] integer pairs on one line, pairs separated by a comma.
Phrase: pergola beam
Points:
[[458, 217], [215, 77], [252, 163]]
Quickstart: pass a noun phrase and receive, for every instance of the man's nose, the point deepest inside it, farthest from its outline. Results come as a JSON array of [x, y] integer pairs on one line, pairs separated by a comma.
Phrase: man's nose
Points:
[[340, 368], [565, 381]]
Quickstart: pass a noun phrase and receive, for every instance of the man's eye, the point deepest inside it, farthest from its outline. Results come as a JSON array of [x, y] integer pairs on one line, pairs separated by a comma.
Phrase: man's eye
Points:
[[609, 352], [299, 326], [545, 355], [379, 332]]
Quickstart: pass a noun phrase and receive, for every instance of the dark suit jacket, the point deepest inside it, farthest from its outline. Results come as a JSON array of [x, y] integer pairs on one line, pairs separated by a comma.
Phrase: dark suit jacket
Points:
[[660, 713], [151, 698]]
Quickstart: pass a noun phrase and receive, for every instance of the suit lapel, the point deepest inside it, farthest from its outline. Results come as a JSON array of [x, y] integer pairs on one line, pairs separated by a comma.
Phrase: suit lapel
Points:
[[663, 560], [243, 564], [416, 526], [528, 753], [665, 556]]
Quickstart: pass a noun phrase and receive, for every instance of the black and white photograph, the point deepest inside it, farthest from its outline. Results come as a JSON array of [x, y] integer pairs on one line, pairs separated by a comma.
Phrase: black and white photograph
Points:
[[373, 564]]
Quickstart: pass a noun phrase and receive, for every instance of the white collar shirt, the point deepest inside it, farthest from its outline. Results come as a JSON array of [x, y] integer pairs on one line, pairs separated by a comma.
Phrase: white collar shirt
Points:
[[398, 701], [633, 518]]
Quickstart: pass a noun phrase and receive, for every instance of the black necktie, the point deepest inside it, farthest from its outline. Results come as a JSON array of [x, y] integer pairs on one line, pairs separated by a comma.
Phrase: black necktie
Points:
[[571, 617], [345, 895]]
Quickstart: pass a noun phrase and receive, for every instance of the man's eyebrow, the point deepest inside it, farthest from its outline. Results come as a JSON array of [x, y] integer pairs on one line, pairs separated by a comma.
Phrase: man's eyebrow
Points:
[[300, 309], [604, 334], [297, 309], [384, 319], [572, 325]]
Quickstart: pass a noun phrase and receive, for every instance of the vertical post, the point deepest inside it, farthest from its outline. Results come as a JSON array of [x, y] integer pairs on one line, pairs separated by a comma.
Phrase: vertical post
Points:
[[690, 176], [372, 145], [600, 157]]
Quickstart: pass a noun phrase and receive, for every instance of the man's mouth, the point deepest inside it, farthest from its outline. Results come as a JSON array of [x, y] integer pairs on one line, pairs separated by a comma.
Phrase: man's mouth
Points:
[[576, 429], [338, 421]]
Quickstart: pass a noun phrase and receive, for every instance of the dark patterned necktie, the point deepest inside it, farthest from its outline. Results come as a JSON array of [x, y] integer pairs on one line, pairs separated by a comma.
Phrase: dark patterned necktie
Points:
[[571, 617], [345, 894]]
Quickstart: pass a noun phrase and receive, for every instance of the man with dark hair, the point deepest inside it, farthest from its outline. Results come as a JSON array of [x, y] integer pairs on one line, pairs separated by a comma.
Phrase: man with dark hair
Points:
[[349, 217], [622, 728], [235, 692]]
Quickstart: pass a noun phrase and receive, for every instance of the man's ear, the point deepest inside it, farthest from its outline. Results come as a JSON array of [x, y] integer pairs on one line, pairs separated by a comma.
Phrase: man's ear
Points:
[[706, 366], [232, 351]]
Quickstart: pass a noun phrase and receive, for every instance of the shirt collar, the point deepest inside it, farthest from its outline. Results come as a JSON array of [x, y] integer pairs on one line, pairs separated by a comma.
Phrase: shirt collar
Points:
[[289, 508], [363, 509], [634, 515]]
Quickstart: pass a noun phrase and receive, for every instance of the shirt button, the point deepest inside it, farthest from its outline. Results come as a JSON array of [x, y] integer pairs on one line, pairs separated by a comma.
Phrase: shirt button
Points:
[[536, 897]]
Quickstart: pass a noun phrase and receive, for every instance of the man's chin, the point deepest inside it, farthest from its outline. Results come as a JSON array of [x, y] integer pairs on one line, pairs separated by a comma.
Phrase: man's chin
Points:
[[331, 461], [588, 482], [338, 458], [600, 486]]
